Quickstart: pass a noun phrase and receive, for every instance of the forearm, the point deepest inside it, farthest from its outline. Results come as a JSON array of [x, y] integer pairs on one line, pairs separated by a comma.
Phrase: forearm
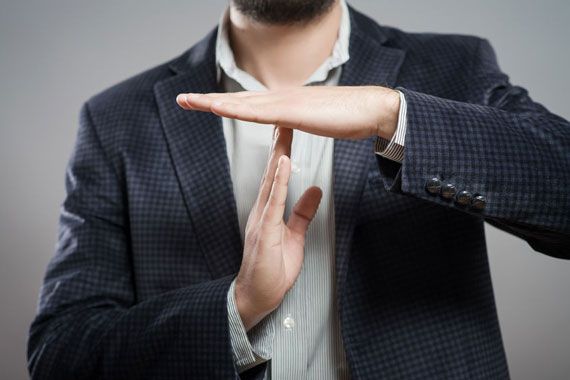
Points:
[[515, 158], [101, 339]]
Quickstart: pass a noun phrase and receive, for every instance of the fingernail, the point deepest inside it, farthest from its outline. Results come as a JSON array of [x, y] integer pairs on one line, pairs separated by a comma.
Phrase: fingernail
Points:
[[181, 98]]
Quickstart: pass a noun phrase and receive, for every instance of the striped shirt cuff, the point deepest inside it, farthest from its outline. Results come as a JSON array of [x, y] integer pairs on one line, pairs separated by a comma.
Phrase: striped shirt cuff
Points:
[[393, 149], [253, 347]]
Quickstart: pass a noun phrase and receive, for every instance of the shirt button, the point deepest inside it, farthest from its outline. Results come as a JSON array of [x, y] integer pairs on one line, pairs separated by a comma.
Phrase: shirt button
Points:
[[288, 323], [295, 168]]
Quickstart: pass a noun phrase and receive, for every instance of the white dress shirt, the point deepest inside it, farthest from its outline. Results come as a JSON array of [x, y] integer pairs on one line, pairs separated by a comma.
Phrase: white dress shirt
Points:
[[301, 338]]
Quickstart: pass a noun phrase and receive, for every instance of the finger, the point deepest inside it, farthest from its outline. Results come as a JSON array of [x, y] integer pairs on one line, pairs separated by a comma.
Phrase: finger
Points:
[[181, 101], [203, 102], [275, 207], [284, 112], [240, 111], [281, 146], [195, 102], [264, 107], [305, 210], [255, 112], [237, 94]]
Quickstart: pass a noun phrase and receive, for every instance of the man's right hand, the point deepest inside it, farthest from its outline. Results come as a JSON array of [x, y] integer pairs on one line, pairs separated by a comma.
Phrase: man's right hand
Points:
[[274, 250]]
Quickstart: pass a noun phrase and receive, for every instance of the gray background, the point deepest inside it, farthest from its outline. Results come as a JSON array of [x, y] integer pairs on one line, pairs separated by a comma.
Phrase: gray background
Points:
[[55, 54]]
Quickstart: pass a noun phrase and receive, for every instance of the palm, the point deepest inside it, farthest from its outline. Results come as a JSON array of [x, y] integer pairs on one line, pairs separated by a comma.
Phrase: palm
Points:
[[283, 247]]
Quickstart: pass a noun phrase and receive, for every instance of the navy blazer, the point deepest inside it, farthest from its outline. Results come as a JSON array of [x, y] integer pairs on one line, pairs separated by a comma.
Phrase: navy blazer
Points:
[[149, 239]]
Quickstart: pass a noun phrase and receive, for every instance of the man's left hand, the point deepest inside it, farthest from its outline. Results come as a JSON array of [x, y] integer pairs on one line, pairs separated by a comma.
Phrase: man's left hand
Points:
[[333, 111]]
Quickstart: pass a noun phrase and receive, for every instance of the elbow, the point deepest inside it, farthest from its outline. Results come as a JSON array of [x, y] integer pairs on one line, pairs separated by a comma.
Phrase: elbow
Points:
[[557, 247], [50, 355]]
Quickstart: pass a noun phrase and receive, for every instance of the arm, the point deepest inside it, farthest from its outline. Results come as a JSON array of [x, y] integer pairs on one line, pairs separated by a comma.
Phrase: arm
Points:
[[508, 153], [500, 145], [89, 323]]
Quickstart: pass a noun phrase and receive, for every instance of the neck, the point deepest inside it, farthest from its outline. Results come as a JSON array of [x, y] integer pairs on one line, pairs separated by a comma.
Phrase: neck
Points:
[[283, 56]]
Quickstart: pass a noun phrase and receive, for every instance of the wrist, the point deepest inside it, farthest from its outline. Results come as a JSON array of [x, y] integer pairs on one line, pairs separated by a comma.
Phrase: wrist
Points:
[[249, 312], [389, 111]]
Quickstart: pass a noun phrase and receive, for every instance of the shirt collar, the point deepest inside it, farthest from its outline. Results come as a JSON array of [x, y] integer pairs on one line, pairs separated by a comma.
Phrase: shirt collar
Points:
[[225, 60]]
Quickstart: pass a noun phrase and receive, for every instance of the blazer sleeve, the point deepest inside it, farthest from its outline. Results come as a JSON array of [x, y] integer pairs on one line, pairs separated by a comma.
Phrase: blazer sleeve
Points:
[[498, 144], [89, 323]]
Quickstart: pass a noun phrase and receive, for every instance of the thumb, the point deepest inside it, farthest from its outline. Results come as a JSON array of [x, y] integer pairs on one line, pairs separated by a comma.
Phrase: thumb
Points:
[[305, 210]]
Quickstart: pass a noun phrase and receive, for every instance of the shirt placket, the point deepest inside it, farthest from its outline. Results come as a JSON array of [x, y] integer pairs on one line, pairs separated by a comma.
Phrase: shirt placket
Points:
[[290, 323]]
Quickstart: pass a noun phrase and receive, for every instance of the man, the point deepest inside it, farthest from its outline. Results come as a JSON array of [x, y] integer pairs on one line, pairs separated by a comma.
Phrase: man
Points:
[[394, 147]]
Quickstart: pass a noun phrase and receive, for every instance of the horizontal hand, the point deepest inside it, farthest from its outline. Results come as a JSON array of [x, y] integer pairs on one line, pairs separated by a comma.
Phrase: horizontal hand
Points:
[[333, 111]]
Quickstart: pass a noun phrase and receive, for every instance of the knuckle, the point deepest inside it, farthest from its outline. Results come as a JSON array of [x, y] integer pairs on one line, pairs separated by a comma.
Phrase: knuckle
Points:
[[251, 240], [253, 232], [262, 232], [253, 111], [276, 201], [261, 241], [299, 213]]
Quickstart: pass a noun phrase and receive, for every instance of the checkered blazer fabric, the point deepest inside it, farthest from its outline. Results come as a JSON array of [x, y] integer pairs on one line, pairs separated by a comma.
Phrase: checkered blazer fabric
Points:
[[149, 240]]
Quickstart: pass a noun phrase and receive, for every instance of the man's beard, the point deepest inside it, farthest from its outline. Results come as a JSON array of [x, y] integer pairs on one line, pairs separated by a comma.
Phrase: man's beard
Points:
[[283, 12]]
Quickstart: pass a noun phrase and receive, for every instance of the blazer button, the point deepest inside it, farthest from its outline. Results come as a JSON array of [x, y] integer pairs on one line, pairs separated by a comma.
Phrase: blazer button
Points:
[[448, 191], [479, 202], [433, 185], [463, 198]]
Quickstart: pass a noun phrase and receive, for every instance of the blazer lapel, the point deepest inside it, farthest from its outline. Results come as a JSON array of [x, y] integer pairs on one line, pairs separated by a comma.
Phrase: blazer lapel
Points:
[[370, 63], [198, 152]]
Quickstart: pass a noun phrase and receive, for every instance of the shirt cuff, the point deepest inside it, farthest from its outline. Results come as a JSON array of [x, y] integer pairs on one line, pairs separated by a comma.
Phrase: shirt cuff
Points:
[[393, 149], [253, 347]]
